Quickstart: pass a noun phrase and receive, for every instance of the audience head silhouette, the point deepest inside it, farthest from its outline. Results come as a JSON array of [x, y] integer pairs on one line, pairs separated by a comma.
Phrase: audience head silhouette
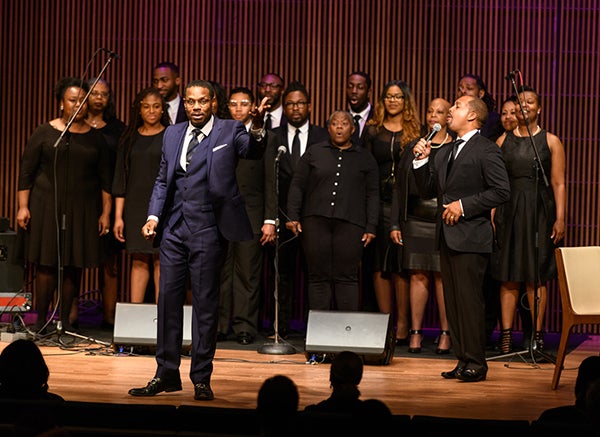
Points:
[[277, 394], [23, 372], [588, 373], [346, 369], [276, 406]]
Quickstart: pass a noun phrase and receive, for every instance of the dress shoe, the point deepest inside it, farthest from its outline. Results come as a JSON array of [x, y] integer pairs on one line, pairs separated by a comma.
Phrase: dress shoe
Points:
[[245, 338], [472, 375], [203, 392], [156, 386], [452, 374]]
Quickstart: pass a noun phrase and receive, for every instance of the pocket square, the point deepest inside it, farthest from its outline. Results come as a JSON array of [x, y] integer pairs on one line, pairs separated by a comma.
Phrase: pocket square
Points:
[[219, 147]]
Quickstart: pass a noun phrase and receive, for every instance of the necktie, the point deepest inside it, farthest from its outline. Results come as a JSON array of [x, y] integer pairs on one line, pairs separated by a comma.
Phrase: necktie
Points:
[[453, 155], [296, 147], [357, 119], [192, 146], [268, 122]]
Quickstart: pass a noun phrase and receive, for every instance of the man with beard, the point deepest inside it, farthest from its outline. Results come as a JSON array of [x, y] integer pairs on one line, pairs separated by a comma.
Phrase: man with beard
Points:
[[271, 86], [165, 78], [296, 135], [469, 179], [195, 209]]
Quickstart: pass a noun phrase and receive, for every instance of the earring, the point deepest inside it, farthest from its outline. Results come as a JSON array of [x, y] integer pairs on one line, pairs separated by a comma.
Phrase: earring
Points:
[[61, 108]]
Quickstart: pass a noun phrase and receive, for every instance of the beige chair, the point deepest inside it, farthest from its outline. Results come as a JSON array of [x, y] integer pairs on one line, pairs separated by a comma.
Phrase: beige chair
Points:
[[579, 284]]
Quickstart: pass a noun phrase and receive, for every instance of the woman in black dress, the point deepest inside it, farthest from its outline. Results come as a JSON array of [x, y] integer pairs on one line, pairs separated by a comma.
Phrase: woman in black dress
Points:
[[413, 227], [138, 160], [64, 201], [394, 125], [516, 228], [102, 116]]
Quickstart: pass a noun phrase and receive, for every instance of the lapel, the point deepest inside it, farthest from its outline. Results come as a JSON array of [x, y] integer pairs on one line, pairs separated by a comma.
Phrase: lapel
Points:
[[179, 131], [211, 141]]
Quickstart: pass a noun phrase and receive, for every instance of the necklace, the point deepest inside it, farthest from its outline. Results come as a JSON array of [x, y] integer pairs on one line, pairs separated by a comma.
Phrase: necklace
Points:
[[441, 144], [538, 129]]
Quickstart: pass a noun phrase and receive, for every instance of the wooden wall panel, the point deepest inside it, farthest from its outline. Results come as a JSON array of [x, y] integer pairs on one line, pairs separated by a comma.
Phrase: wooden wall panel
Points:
[[428, 43]]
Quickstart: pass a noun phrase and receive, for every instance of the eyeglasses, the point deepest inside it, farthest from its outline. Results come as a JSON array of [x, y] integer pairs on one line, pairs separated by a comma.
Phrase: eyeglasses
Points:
[[393, 97], [244, 103], [273, 86], [300, 104], [102, 94], [192, 102]]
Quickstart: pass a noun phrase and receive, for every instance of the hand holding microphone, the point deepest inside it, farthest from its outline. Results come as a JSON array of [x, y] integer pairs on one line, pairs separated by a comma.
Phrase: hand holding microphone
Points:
[[423, 143]]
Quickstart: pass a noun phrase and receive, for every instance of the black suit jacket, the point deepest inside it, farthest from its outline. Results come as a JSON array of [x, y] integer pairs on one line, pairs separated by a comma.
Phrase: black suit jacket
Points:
[[278, 137], [181, 114], [479, 179], [360, 139]]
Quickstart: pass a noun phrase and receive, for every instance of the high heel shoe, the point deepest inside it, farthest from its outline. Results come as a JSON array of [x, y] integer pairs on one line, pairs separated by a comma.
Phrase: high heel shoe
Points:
[[439, 350], [415, 350], [539, 341], [506, 341]]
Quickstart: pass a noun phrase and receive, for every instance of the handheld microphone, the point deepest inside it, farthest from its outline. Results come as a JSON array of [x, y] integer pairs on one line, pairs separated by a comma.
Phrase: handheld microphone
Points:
[[434, 130], [511, 75], [110, 53], [281, 150]]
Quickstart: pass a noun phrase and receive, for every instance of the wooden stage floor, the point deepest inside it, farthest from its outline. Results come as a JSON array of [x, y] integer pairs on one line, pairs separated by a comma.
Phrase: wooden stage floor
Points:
[[514, 390]]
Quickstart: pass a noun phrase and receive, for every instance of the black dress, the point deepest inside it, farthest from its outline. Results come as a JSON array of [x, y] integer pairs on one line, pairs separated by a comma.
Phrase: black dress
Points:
[[415, 216], [513, 259], [135, 174], [386, 147], [82, 171]]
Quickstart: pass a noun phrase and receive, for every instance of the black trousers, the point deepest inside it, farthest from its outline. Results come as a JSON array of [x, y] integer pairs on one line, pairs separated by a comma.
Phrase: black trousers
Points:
[[462, 277], [333, 250]]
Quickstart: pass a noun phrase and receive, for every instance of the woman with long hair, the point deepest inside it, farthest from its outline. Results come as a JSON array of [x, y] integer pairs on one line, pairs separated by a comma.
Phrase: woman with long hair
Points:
[[138, 160], [394, 125]]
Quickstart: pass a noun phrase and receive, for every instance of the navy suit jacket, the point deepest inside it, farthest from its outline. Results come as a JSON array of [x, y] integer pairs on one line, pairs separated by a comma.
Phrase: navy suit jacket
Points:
[[227, 142], [479, 179]]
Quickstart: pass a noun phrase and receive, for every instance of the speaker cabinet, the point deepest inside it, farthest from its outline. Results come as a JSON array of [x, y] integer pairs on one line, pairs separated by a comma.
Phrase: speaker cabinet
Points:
[[11, 274], [136, 325], [367, 334]]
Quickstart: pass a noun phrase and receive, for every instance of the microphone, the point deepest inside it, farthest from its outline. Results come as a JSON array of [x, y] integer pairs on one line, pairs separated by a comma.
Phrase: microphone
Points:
[[110, 53], [281, 150], [511, 75], [434, 130]]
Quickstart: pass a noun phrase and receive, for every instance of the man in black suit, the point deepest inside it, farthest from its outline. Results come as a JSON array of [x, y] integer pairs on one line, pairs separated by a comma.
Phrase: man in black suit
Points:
[[271, 86], [358, 95], [296, 108], [242, 272], [165, 78], [469, 180]]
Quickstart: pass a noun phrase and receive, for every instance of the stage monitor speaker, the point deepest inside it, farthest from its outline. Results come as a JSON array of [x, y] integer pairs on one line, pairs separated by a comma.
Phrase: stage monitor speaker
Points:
[[136, 324], [368, 334], [11, 273]]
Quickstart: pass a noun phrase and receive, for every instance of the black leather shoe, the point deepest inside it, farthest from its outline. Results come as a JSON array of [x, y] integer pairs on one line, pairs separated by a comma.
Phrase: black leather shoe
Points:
[[156, 386], [472, 375], [203, 392], [452, 374], [245, 338]]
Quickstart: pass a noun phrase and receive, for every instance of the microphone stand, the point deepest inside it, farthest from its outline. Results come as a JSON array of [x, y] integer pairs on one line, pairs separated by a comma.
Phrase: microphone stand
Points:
[[276, 348], [59, 284], [533, 349]]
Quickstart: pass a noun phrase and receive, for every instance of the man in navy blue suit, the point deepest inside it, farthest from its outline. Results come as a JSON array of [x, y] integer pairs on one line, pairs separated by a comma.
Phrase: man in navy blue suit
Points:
[[195, 209]]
